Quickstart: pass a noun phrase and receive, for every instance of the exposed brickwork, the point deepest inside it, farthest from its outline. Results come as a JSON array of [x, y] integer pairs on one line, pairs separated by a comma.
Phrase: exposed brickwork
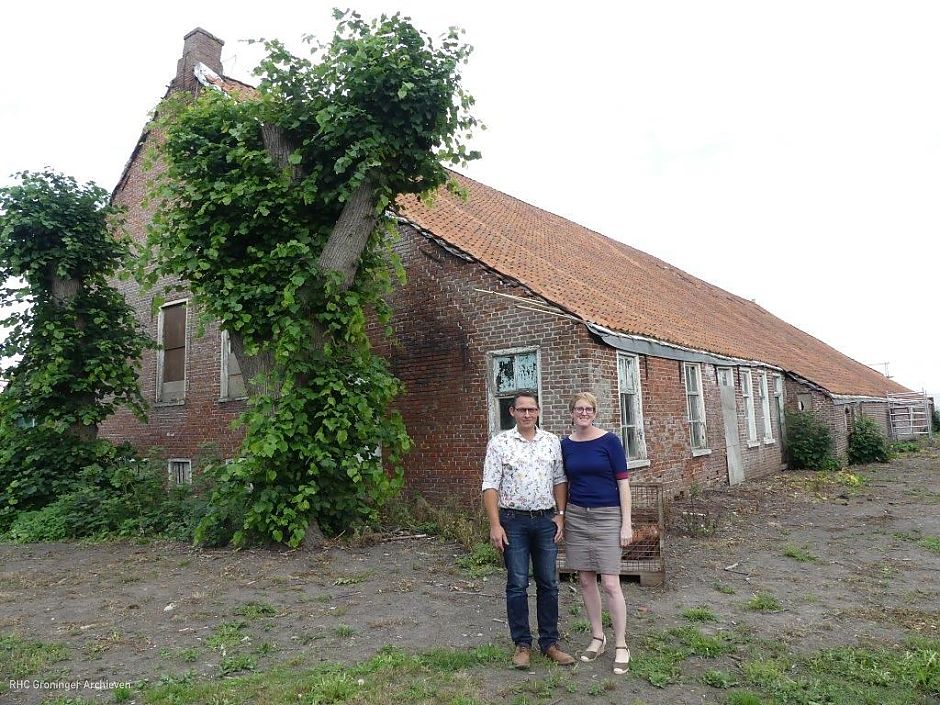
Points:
[[202, 425]]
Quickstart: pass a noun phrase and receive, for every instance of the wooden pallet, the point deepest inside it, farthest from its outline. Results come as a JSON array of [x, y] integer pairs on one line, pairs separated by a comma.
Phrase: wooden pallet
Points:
[[642, 559]]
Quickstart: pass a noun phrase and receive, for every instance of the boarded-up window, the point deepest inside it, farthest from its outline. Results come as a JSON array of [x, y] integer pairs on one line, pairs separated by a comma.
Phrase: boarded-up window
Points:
[[231, 383], [804, 402], [513, 373], [695, 406], [181, 472], [631, 406], [172, 356]]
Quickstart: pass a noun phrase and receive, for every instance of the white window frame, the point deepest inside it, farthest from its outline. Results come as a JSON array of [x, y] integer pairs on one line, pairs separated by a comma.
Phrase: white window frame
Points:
[[633, 397], [491, 392], [696, 396], [747, 391], [160, 357], [225, 346], [172, 471], [765, 407]]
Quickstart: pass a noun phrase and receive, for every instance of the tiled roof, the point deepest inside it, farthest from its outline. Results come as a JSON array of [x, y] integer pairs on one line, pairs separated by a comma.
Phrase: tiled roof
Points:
[[631, 291]]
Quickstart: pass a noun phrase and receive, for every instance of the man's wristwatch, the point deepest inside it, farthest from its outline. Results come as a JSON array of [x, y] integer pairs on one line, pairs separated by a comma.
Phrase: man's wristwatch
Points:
[[560, 512]]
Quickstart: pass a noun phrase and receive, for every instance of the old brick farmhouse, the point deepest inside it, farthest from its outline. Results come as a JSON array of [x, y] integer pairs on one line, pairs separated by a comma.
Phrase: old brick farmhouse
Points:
[[694, 378]]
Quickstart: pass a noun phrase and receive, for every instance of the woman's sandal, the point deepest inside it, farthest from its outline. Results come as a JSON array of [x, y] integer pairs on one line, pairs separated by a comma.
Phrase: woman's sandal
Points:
[[591, 654], [621, 665]]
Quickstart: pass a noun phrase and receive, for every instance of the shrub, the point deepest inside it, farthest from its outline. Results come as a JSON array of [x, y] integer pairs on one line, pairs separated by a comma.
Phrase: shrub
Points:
[[122, 499], [809, 444], [867, 444], [935, 419]]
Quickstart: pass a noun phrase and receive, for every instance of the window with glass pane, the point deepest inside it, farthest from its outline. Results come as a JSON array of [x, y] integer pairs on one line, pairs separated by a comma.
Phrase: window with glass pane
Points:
[[513, 373], [171, 356], [231, 382], [765, 406], [631, 407], [695, 402], [747, 391]]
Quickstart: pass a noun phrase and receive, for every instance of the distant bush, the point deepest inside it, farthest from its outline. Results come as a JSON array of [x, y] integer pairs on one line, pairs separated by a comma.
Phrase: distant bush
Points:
[[867, 444], [127, 499], [935, 419], [809, 444]]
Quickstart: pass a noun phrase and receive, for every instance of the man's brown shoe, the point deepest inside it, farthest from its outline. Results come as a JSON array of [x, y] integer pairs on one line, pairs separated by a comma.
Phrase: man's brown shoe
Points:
[[558, 656], [520, 659]]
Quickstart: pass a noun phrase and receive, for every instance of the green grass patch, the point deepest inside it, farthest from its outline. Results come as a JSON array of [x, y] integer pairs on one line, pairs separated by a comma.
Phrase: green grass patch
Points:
[[744, 697], [21, 658], [256, 610], [482, 560], [699, 614], [850, 675], [344, 631], [718, 679], [236, 663], [226, 635], [580, 626], [353, 579], [391, 676], [801, 555], [763, 602], [931, 543], [705, 645]]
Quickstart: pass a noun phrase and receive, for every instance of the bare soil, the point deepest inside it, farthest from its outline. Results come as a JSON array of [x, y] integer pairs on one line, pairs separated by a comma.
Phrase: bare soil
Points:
[[130, 612]]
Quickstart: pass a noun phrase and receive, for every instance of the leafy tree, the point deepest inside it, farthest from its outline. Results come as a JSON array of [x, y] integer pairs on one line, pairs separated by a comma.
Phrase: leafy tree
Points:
[[275, 211], [76, 338]]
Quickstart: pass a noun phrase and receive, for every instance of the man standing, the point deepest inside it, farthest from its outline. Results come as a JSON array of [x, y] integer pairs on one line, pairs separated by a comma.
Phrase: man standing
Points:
[[524, 494]]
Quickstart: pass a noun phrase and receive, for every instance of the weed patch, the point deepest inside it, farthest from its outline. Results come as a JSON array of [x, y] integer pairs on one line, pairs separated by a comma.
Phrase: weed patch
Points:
[[20, 658], [763, 602], [699, 614], [801, 555], [482, 560], [718, 679], [256, 610]]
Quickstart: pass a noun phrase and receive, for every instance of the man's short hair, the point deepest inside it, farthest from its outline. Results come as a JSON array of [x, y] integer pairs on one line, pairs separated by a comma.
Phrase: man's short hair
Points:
[[524, 393]]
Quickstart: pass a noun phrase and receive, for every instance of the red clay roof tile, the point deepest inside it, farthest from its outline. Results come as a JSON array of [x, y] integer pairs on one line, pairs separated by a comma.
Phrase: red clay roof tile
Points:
[[632, 292]]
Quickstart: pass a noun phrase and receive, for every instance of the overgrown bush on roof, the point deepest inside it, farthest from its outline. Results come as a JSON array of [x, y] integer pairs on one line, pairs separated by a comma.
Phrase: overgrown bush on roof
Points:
[[867, 444]]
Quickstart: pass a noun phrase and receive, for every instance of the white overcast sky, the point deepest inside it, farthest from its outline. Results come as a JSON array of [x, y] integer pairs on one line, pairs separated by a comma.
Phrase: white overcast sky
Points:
[[788, 152]]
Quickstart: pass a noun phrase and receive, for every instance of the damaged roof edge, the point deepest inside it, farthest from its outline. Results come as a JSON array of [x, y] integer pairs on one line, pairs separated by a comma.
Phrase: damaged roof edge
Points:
[[649, 346]]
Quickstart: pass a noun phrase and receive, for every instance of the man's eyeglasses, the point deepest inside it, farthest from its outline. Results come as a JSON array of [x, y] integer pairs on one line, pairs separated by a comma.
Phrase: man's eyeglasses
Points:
[[583, 410], [526, 410]]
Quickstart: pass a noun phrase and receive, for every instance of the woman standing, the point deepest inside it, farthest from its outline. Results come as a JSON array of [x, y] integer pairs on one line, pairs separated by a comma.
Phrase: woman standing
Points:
[[598, 524]]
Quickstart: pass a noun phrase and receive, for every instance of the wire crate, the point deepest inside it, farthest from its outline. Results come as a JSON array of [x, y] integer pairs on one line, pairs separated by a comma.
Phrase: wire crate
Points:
[[643, 558]]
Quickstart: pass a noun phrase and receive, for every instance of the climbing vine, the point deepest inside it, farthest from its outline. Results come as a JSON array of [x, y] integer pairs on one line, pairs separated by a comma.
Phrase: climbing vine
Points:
[[74, 339], [274, 210]]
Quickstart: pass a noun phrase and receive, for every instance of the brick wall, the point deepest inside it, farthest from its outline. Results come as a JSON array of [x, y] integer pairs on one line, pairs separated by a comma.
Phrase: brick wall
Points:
[[202, 425], [446, 325]]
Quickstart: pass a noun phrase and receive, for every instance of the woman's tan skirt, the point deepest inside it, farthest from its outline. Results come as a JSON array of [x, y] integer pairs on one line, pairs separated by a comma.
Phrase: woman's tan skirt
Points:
[[592, 539]]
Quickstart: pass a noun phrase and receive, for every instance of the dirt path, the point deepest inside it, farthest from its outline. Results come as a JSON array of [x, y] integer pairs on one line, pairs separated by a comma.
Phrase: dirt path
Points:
[[127, 612]]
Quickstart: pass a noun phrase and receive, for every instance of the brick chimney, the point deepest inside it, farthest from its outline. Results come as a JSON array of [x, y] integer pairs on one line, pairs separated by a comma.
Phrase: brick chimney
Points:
[[198, 46]]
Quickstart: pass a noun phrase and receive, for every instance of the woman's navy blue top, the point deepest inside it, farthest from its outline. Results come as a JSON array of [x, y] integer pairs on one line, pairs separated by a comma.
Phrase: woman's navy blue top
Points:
[[593, 468]]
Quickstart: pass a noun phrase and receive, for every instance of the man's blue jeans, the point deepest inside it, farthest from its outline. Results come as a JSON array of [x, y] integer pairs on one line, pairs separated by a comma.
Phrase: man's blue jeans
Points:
[[530, 537]]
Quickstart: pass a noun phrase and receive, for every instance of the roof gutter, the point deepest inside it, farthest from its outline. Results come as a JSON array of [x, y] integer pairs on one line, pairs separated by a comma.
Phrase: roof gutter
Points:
[[642, 345]]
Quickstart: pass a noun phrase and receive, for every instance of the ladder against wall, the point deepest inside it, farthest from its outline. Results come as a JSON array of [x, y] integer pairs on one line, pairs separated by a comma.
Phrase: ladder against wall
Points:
[[909, 414]]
